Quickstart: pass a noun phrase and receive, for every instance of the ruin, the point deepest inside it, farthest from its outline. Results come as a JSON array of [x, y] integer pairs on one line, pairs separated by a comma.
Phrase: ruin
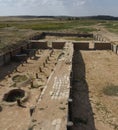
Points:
[[55, 84], [81, 46], [29, 49], [58, 45], [103, 46], [39, 44]]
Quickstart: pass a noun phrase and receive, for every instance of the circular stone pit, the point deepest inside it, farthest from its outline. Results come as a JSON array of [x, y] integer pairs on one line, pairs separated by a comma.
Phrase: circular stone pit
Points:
[[13, 95], [19, 78]]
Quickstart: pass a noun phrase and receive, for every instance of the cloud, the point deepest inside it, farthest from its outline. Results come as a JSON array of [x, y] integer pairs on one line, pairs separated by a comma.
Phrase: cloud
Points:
[[42, 7], [78, 2], [43, 2], [57, 7]]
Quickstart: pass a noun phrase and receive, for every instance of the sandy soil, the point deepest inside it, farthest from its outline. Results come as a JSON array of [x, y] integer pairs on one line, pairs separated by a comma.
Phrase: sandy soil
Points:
[[97, 70], [101, 71], [91, 109]]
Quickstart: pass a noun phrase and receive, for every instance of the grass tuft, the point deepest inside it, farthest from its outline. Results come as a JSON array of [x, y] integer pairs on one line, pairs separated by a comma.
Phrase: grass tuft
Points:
[[111, 90]]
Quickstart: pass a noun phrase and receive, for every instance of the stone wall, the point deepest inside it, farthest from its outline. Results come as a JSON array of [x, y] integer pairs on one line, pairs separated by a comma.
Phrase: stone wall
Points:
[[39, 45], [16, 51], [29, 46], [7, 58], [43, 34], [68, 34], [37, 36], [58, 45], [1, 60], [81, 45], [102, 46]]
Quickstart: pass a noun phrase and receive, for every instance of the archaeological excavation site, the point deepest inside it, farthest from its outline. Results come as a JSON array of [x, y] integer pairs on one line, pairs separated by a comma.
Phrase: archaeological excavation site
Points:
[[52, 81]]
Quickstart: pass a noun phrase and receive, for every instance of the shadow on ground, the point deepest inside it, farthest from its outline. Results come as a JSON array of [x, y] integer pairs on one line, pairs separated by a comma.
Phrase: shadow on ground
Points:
[[81, 110], [8, 69]]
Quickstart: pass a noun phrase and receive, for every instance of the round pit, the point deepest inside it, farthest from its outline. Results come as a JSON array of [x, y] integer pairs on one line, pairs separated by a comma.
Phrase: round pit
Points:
[[14, 95]]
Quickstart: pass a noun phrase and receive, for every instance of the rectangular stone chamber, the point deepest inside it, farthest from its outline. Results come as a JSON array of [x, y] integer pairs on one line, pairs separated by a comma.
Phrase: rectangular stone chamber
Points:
[[40, 45], [102, 46], [58, 45], [81, 45]]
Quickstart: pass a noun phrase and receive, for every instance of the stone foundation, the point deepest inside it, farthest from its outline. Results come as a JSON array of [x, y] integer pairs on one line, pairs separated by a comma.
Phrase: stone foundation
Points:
[[102, 46], [81, 45], [58, 45], [39, 45]]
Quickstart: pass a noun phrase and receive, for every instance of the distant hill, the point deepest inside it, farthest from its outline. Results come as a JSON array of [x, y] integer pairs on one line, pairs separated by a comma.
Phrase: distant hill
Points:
[[98, 17], [104, 17], [31, 16]]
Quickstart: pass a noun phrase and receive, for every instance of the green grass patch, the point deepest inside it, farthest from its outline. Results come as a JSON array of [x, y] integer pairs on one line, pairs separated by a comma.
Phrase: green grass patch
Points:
[[2, 25], [112, 26], [47, 25], [86, 30], [2, 45], [111, 90], [59, 25], [13, 31]]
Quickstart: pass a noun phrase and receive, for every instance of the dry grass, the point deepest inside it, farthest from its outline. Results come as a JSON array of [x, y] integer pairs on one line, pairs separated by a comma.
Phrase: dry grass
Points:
[[111, 90]]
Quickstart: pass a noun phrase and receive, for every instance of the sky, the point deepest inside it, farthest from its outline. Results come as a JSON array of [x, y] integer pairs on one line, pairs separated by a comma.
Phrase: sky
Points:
[[58, 7]]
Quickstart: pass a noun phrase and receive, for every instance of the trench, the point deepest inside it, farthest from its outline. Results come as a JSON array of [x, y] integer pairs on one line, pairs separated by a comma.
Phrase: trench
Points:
[[80, 112]]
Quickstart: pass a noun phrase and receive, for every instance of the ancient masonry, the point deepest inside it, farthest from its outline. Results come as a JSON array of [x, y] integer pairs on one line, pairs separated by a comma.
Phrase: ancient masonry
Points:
[[56, 76]]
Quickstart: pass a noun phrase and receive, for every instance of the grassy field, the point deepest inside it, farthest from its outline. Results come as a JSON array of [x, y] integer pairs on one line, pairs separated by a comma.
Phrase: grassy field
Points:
[[47, 25], [112, 26], [13, 30]]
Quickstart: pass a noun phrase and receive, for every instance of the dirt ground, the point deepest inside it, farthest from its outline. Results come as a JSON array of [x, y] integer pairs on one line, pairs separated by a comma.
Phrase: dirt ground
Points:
[[101, 69], [91, 110], [112, 37]]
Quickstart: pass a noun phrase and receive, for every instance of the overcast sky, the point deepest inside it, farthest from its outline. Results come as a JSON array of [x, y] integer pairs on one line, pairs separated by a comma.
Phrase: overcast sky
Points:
[[59, 7]]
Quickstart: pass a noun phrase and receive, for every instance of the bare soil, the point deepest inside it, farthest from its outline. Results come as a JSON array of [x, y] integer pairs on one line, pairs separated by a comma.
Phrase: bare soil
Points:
[[101, 69], [92, 109]]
